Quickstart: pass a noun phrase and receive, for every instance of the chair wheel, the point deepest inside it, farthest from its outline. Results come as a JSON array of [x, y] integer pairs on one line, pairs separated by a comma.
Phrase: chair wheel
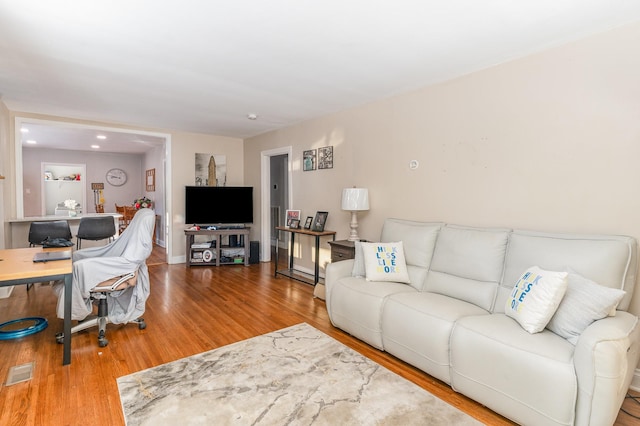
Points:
[[103, 342], [141, 323], [60, 337]]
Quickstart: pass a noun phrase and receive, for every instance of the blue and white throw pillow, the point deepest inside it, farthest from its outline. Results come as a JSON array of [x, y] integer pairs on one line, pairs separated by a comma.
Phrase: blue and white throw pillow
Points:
[[536, 297], [385, 262]]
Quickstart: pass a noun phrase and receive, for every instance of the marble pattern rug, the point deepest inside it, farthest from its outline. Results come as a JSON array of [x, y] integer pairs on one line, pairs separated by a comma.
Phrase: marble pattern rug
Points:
[[294, 376]]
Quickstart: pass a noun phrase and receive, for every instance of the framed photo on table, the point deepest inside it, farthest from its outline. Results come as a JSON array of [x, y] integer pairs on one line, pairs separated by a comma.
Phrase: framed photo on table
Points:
[[309, 221], [293, 215], [295, 224], [319, 221]]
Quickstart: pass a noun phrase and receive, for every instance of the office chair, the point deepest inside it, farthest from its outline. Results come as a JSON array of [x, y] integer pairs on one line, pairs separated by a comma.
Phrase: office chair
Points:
[[115, 277], [95, 229], [39, 231]]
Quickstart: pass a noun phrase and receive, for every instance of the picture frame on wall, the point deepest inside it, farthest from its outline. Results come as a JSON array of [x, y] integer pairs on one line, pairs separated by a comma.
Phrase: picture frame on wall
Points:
[[319, 221], [151, 180], [309, 160], [292, 215], [325, 157], [308, 222]]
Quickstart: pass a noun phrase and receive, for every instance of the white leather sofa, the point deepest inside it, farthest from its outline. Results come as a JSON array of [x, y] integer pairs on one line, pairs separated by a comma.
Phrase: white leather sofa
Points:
[[450, 320]]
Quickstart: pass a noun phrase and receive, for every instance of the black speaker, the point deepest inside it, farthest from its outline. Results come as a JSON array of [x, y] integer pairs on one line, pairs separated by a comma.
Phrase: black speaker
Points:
[[233, 241], [254, 252]]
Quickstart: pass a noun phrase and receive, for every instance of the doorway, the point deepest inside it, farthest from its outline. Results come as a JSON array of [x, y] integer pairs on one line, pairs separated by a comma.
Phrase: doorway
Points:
[[276, 195], [279, 192]]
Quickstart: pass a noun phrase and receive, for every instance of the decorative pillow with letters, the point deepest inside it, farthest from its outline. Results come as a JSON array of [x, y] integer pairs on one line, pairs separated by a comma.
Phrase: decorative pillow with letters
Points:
[[385, 262], [536, 297]]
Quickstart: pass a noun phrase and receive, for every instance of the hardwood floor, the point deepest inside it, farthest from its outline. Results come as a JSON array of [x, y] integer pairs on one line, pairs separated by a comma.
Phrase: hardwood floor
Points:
[[190, 310]]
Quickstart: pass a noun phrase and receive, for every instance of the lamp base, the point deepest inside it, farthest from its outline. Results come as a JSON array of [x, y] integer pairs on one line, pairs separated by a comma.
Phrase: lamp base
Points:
[[353, 235]]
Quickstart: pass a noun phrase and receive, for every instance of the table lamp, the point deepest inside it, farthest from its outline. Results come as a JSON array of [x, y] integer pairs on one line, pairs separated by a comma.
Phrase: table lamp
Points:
[[355, 200]]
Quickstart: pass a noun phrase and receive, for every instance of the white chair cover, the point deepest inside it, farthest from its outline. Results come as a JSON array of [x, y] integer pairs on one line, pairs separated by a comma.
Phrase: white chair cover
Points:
[[92, 266]]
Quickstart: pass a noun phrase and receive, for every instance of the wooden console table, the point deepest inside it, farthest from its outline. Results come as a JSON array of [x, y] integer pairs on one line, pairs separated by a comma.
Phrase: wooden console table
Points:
[[290, 272]]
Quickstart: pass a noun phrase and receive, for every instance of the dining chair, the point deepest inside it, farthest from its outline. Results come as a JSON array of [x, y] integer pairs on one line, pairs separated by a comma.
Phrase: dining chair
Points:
[[95, 229]]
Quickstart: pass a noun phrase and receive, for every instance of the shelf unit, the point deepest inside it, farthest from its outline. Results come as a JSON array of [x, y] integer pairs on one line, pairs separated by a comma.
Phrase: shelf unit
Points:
[[216, 253], [56, 189]]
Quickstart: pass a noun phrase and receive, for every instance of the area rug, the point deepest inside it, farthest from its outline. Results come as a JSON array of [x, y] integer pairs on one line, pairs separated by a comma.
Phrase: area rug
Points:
[[294, 376]]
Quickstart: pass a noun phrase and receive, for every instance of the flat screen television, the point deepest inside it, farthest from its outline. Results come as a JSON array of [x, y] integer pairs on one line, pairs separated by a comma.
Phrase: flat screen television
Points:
[[218, 205]]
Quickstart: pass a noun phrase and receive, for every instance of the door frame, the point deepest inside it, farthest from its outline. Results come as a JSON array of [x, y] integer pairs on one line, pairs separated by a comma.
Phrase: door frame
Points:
[[265, 194]]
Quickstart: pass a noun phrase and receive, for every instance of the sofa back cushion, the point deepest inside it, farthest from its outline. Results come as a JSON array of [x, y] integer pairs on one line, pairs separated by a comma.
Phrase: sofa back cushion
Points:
[[608, 260], [468, 264], [418, 239]]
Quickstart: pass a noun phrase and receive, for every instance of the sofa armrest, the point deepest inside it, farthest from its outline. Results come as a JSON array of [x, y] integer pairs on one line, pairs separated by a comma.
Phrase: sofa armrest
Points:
[[605, 358], [334, 272]]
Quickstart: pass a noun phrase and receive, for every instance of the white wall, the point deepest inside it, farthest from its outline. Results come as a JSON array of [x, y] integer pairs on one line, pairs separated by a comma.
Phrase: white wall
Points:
[[154, 159], [4, 171], [547, 142]]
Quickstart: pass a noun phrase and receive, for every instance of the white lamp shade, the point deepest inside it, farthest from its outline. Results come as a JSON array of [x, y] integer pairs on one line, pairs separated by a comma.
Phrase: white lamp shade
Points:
[[355, 199]]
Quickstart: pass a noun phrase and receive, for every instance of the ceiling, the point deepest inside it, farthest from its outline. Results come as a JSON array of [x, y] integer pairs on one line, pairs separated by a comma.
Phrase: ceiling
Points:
[[203, 66], [40, 134]]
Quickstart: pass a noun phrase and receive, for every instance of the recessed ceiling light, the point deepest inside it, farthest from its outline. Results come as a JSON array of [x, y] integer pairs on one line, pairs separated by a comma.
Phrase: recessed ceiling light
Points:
[[24, 130], [31, 142], [101, 137], [95, 146], [252, 116]]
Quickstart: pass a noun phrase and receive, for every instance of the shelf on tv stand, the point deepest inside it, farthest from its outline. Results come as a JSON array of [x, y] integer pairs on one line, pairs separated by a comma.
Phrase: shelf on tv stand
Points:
[[219, 248]]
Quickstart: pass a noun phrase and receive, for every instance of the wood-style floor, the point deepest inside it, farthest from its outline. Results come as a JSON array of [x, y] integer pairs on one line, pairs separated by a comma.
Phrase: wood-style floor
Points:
[[190, 310]]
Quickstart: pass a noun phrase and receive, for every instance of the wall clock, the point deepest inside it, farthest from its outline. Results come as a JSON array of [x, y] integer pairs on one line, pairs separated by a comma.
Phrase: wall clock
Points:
[[116, 177]]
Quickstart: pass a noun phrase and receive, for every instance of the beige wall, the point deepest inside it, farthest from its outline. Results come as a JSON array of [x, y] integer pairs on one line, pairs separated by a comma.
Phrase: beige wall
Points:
[[184, 148], [548, 142]]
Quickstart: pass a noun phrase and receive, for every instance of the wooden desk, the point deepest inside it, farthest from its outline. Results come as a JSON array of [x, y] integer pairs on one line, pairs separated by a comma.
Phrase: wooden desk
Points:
[[17, 267], [290, 271]]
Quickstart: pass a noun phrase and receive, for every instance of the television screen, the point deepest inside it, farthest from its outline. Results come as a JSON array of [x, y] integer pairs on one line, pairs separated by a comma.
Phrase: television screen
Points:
[[212, 205]]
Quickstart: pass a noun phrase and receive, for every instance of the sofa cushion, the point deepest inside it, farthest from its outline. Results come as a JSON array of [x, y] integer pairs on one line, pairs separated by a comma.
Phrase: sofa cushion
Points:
[[416, 328], [584, 302], [536, 297], [385, 262], [356, 306], [608, 260], [419, 239], [529, 378], [467, 264]]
